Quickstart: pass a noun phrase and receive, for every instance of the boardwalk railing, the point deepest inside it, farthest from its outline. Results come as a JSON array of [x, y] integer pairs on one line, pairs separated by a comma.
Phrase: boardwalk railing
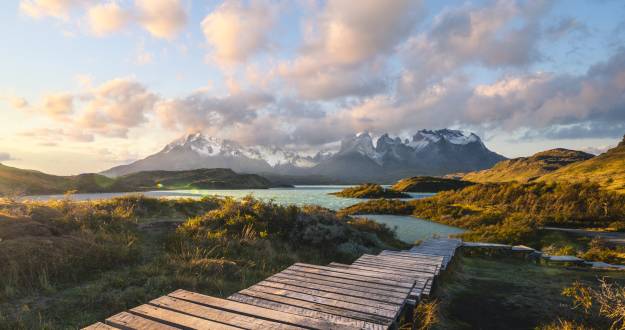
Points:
[[368, 294]]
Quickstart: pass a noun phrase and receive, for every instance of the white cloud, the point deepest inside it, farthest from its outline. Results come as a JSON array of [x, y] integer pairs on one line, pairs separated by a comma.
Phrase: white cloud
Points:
[[107, 18], [347, 46], [60, 9], [58, 105], [162, 18], [236, 30]]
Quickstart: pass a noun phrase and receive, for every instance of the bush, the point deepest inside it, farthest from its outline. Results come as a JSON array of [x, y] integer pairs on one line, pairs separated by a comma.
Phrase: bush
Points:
[[370, 190]]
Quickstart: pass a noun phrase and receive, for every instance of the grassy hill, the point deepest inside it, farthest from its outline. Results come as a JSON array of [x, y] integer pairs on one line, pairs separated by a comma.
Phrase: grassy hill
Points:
[[526, 169], [19, 181], [607, 170], [370, 190], [429, 184], [215, 178]]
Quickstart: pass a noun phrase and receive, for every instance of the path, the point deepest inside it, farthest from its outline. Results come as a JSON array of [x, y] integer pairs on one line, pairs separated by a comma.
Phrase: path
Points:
[[371, 293], [617, 238]]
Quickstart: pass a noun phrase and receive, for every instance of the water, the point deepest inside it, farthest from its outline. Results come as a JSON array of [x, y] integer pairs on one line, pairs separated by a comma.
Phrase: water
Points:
[[300, 195], [409, 229]]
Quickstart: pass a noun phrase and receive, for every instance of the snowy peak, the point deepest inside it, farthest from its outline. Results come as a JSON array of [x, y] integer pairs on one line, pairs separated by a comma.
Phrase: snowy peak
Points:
[[208, 147], [361, 143], [196, 142], [425, 137]]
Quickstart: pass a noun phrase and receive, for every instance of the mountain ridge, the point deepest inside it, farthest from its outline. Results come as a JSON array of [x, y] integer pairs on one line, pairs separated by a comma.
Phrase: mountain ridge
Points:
[[428, 152]]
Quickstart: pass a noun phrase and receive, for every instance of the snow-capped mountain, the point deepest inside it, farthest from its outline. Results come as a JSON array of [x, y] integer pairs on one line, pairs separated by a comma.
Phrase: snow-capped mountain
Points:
[[431, 152]]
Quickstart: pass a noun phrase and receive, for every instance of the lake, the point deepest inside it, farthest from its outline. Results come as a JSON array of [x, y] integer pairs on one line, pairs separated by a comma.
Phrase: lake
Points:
[[409, 229]]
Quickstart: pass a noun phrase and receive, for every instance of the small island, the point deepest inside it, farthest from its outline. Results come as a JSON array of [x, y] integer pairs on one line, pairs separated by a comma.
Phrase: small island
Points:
[[429, 184], [370, 190]]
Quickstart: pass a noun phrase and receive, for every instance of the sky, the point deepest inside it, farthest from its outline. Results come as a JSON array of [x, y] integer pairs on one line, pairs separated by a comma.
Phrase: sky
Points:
[[86, 85]]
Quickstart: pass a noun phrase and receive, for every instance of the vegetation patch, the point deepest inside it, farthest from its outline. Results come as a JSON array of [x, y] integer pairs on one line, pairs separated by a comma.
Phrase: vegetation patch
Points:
[[429, 184], [488, 293], [370, 190], [68, 264], [514, 213]]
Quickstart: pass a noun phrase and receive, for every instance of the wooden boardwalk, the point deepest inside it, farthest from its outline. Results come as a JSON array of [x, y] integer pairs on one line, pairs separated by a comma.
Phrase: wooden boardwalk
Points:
[[368, 294]]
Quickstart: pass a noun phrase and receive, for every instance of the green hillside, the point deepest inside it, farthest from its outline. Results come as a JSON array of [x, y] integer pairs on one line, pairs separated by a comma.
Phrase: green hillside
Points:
[[429, 184], [526, 169], [607, 170], [15, 181], [215, 178]]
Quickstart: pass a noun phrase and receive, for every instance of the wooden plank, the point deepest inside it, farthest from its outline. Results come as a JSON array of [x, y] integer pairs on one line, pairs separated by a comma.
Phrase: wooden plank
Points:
[[331, 295], [395, 278], [385, 270], [127, 321], [346, 283], [399, 286], [251, 310], [389, 314], [352, 274], [178, 319], [330, 313], [383, 263], [407, 258], [218, 315], [408, 271], [99, 326], [349, 291], [432, 268]]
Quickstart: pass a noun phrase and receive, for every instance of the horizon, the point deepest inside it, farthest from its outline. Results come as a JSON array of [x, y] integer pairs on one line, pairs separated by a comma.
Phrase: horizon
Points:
[[88, 85]]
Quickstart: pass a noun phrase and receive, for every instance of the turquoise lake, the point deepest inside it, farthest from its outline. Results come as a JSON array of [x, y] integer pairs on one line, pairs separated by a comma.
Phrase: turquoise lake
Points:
[[408, 228]]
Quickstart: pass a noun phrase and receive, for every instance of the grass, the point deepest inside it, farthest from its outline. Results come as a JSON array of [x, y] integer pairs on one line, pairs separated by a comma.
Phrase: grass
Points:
[[68, 264], [429, 184], [370, 190], [488, 293]]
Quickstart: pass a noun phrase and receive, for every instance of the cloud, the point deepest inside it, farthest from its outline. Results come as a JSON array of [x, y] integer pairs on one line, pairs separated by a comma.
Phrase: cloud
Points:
[[4, 156], [162, 18], [15, 102], [107, 18], [199, 111], [346, 48], [115, 106], [236, 30], [59, 105], [60, 9]]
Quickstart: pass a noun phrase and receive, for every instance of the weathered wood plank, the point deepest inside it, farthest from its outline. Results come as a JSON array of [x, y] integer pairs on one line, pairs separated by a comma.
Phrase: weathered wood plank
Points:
[[219, 315], [99, 326], [251, 310], [306, 308], [353, 274], [385, 270], [331, 295], [350, 291], [177, 319], [336, 281], [383, 263], [127, 321], [389, 314]]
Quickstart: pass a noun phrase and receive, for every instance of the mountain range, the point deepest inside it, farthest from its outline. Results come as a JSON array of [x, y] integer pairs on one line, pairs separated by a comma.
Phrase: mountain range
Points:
[[428, 152]]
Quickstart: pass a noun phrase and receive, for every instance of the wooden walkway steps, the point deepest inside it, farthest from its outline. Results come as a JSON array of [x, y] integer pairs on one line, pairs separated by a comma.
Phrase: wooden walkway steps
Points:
[[371, 293]]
